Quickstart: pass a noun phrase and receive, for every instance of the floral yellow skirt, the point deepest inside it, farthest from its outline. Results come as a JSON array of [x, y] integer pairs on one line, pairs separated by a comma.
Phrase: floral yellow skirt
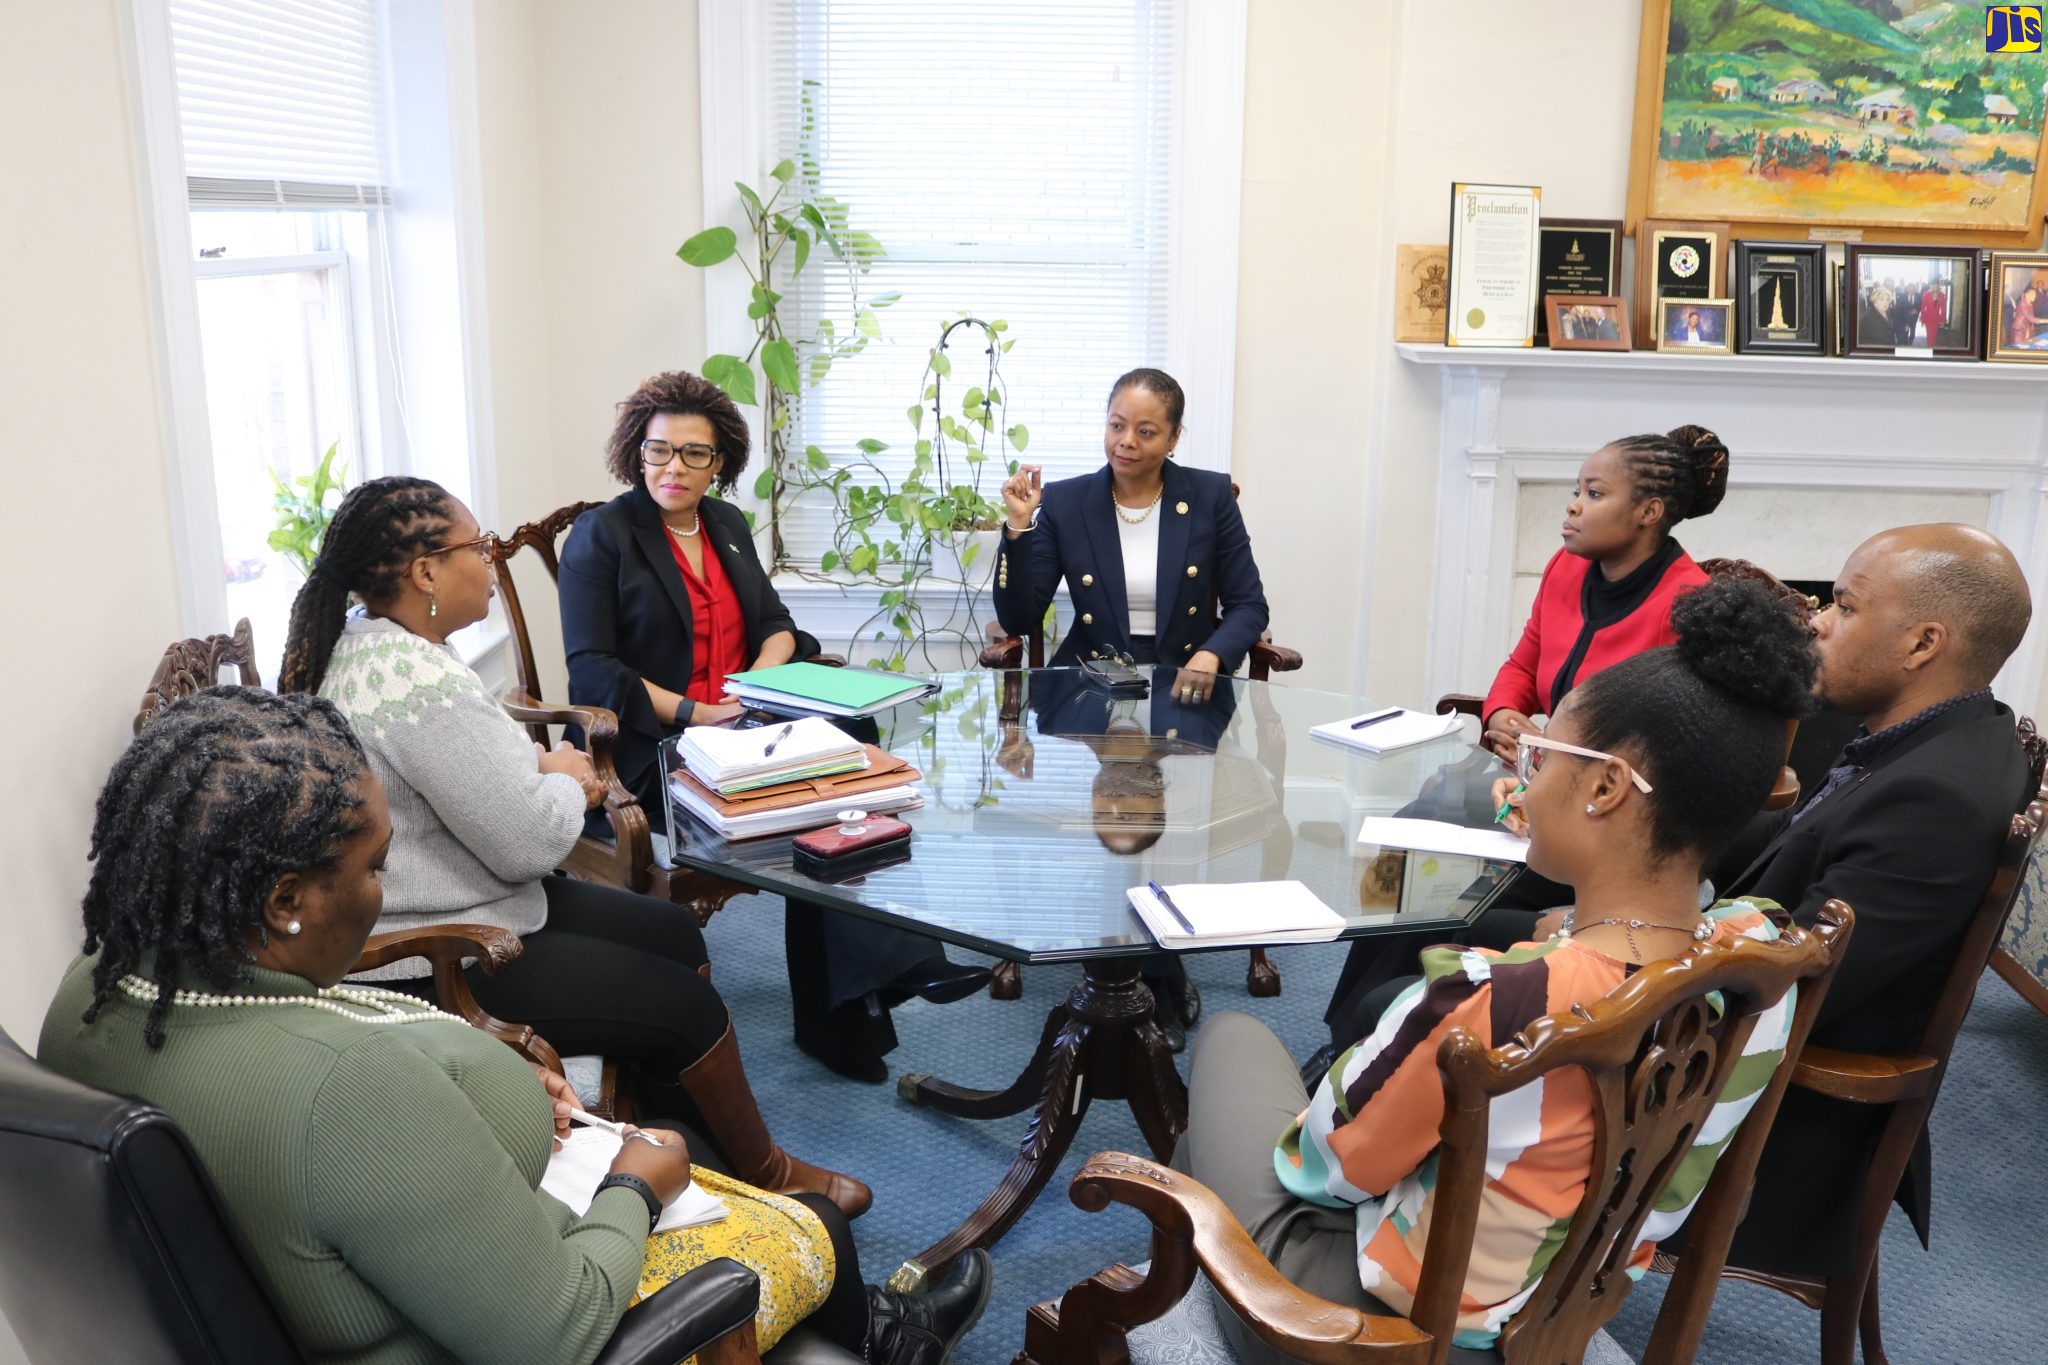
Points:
[[777, 1238]]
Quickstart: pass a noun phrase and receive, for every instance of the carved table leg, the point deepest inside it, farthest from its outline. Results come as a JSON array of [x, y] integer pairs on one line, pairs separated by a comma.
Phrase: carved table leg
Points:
[[1261, 978], [702, 894], [1006, 982], [1106, 1048], [920, 1087]]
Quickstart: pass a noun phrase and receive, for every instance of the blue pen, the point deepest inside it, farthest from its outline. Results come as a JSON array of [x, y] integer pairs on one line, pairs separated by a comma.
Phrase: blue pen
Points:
[[1375, 719], [1159, 894]]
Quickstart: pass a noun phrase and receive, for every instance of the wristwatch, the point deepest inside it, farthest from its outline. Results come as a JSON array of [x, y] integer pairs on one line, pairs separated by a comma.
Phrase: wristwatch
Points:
[[620, 1180]]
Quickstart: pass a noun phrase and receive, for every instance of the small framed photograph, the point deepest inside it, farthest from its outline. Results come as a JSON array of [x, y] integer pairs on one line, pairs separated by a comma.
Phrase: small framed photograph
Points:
[[1586, 322], [1576, 256], [1696, 326], [2019, 308], [1677, 261], [1918, 302], [1781, 298]]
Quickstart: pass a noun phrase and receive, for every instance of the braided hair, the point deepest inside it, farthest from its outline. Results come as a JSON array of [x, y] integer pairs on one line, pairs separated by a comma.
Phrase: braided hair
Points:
[[221, 795], [380, 528], [1688, 468]]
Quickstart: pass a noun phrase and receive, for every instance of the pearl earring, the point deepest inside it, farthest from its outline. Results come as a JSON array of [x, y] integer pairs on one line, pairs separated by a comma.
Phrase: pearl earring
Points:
[[292, 928], [433, 605], [1590, 808]]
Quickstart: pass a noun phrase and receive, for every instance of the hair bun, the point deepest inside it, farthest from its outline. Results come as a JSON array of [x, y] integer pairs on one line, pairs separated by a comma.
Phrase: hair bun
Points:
[[1709, 466], [1741, 638]]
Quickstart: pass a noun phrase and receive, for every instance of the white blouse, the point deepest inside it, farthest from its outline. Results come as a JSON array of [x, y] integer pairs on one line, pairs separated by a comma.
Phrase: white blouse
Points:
[[1141, 571]]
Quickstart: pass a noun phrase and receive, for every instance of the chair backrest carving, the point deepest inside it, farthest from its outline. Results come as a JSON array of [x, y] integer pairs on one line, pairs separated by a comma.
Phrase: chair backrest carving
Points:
[[542, 537], [191, 666], [1657, 1057]]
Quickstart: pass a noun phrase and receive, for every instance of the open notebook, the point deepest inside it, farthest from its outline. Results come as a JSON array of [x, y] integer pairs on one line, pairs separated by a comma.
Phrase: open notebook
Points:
[[1225, 914], [586, 1158]]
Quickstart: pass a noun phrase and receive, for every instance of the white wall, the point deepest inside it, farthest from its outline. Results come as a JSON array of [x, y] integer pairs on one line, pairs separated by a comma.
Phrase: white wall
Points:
[[87, 554]]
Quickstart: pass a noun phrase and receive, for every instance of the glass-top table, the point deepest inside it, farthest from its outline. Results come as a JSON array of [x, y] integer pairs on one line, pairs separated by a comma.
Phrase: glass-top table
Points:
[[1045, 799]]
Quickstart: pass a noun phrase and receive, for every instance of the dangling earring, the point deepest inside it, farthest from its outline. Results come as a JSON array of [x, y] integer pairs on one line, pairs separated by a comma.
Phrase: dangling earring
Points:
[[433, 603], [292, 928]]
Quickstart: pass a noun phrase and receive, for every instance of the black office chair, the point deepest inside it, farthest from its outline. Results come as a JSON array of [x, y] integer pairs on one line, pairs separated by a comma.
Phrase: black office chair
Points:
[[113, 1246]]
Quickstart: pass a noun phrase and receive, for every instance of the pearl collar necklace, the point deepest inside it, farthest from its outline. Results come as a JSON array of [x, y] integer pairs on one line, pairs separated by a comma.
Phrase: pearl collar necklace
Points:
[[330, 998], [685, 535]]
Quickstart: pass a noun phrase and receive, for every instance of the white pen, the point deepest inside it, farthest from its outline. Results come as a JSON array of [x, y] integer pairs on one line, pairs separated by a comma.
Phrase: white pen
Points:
[[617, 1130]]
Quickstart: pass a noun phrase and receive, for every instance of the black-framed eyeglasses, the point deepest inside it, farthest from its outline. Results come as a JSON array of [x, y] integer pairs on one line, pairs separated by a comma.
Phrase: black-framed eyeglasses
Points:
[[481, 544], [659, 453]]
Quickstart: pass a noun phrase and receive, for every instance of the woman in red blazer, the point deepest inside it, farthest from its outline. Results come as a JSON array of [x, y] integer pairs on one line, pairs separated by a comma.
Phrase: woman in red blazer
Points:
[[1606, 596]]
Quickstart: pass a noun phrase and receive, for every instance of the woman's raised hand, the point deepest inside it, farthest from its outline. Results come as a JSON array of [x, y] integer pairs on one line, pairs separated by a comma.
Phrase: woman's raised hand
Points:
[[1021, 494]]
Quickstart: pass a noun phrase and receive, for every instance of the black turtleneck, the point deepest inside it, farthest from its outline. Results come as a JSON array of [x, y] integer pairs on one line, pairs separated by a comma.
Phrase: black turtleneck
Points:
[[1602, 603]]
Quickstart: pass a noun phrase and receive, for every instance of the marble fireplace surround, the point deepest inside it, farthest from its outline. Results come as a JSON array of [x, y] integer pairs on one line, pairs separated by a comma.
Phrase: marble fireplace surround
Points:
[[1823, 453]]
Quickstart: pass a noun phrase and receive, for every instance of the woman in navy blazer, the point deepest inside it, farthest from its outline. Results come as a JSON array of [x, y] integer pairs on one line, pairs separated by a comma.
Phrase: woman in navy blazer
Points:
[[654, 644], [1149, 550]]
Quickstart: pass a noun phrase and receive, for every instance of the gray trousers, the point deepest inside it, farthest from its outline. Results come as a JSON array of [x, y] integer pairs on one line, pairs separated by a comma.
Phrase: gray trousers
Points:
[[1243, 1090]]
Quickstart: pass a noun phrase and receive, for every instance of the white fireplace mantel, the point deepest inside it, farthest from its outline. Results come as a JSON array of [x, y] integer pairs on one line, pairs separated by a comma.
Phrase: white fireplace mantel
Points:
[[1824, 452]]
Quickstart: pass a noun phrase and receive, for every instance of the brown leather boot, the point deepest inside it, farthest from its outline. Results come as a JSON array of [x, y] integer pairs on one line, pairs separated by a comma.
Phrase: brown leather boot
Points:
[[717, 1084]]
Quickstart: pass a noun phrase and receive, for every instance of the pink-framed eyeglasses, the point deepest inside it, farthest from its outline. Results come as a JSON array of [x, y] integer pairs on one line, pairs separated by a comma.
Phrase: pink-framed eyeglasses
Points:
[[1529, 758]]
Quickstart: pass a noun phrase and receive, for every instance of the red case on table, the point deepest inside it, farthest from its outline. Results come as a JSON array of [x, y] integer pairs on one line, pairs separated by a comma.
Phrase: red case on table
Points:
[[828, 843]]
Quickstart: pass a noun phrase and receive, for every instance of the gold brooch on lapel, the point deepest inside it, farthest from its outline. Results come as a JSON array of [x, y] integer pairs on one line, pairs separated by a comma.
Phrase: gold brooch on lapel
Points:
[[1181, 508]]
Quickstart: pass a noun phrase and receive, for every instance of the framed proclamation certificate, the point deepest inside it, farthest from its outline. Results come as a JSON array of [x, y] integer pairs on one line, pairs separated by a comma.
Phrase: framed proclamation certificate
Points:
[[1494, 238]]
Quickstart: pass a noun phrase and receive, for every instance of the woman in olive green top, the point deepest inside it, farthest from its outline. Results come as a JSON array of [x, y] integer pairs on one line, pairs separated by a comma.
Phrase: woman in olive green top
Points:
[[380, 1158]]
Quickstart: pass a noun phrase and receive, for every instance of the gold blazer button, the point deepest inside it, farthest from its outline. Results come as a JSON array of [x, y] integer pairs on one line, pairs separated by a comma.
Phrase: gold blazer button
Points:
[[1087, 619], [1191, 611], [1087, 580], [1191, 571]]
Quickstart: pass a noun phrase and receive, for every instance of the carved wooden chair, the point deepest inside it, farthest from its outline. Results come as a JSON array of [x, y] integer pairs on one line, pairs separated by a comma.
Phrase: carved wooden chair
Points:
[[1011, 652], [1910, 1084], [190, 666], [2024, 933], [1658, 1060], [1786, 792]]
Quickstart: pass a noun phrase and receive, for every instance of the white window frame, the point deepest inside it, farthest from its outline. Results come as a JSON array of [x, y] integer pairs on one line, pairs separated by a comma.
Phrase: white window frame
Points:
[[446, 30], [1205, 188]]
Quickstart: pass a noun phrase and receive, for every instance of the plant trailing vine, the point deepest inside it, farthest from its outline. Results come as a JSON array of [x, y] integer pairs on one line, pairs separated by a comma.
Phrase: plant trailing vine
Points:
[[933, 526]]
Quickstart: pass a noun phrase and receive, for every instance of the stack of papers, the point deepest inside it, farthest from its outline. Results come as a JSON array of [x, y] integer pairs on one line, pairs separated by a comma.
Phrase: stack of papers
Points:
[[1389, 727], [1437, 836], [882, 784], [1227, 914], [586, 1158], [816, 689], [734, 761]]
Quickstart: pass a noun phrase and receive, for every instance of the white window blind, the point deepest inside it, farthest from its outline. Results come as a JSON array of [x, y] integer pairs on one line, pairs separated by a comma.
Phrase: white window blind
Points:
[[1013, 159], [281, 102]]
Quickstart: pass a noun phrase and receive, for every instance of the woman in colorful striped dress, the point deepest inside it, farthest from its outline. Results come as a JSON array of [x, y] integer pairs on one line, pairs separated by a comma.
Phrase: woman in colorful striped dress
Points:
[[1647, 771]]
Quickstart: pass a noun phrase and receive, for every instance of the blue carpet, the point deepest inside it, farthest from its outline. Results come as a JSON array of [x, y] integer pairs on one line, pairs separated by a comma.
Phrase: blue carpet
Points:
[[1978, 1297]]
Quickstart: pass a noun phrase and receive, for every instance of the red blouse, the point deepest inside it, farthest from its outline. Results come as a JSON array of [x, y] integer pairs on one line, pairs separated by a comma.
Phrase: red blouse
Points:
[[718, 629], [1557, 632]]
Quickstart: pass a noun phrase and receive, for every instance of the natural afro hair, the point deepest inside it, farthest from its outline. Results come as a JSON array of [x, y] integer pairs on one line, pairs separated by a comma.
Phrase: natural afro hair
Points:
[[679, 394], [218, 797], [1705, 720]]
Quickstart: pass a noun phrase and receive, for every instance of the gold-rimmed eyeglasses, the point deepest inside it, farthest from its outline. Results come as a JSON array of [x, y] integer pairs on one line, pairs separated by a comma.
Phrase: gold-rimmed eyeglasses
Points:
[[1529, 759], [481, 544], [694, 456]]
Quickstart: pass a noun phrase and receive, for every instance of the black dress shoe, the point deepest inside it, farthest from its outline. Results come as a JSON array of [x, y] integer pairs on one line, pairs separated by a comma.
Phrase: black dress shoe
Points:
[[1187, 1000], [1317, 1066], [847, 1061], [937, 980], [923, 1328]]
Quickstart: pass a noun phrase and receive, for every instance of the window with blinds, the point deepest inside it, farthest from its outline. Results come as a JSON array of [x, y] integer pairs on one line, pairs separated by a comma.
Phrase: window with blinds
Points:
[[1012, 159], [281, 102]]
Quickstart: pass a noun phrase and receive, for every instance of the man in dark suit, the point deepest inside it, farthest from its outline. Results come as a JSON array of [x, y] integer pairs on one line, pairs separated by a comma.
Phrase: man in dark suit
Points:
[[1906, 828]]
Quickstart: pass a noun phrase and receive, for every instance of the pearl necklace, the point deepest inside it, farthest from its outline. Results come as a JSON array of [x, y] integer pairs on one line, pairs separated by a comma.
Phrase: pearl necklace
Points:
[[328, 998], [685, 535], [1138, 520]]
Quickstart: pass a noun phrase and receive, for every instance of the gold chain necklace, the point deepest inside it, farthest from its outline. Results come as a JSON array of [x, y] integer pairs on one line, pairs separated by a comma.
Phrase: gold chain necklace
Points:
[[1140, 519]]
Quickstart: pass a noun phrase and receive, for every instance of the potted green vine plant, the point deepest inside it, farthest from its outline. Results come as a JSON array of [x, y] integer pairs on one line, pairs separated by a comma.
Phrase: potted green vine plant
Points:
[[933, 529], [304, 510]]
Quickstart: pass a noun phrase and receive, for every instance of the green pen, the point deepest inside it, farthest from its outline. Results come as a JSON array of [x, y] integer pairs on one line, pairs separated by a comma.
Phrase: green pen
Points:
[[1509, 804]]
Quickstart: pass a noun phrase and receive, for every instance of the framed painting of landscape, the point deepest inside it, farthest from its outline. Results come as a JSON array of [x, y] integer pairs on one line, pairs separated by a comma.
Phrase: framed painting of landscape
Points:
[[1885, 120]]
